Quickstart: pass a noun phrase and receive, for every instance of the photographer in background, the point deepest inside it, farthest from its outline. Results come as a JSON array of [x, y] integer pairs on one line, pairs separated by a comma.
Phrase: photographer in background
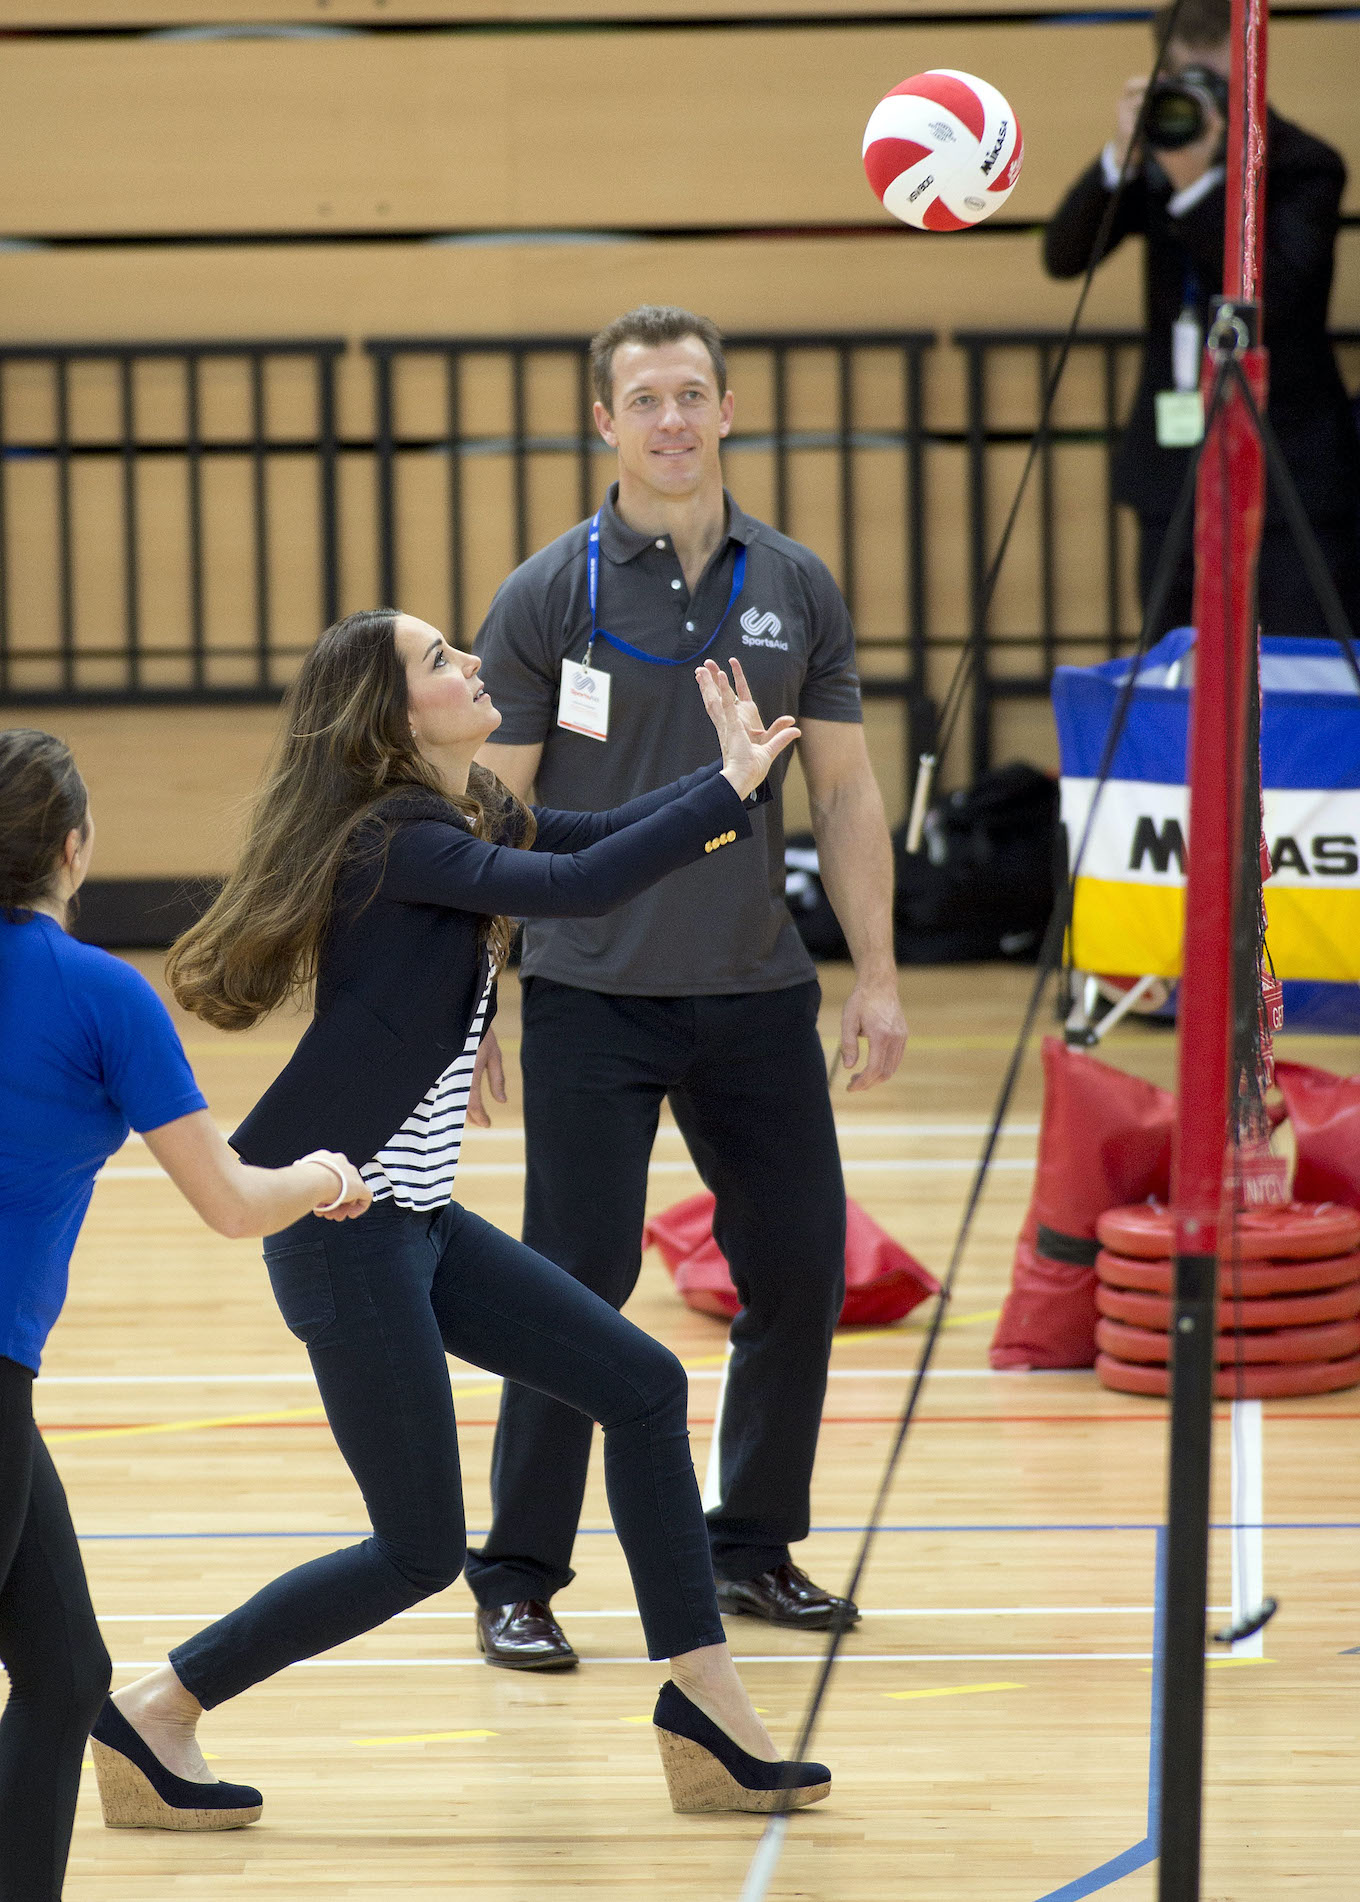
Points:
[[1175, 199]]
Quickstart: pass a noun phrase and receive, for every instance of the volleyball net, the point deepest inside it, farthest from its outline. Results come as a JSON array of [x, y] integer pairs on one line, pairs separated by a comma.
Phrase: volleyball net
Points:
[[1228, 1002]]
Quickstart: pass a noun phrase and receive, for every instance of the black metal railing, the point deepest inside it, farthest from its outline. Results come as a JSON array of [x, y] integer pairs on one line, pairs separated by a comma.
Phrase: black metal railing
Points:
[[145, 534], [170, 513], [508, 423], [1018, 663]]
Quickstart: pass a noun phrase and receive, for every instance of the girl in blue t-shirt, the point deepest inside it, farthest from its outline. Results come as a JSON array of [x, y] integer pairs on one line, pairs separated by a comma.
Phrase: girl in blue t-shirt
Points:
[[89, 1051]]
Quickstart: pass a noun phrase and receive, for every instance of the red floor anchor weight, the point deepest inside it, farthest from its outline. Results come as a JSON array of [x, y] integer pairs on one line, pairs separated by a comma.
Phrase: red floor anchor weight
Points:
[[1271, 1311], [1293, 1231], [1289, 1301]]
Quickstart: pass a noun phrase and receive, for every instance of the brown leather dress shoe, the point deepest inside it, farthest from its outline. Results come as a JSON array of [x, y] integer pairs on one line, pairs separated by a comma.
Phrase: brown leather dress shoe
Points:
[[786, 1596], [523, 1637]]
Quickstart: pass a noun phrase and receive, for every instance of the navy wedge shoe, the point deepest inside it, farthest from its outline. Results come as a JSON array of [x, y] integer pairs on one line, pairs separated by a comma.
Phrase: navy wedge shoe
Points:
[[705, 1770], [136, 1791]]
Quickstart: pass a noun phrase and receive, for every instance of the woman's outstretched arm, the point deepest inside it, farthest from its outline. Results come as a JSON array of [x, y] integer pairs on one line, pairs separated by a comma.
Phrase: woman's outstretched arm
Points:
[[429, 862]]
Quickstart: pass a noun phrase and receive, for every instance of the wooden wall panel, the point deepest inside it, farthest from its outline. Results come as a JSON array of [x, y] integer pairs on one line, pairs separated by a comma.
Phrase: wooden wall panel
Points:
[[486, 131], [39, 14], [976, 281], [979, 280], [168, 785]]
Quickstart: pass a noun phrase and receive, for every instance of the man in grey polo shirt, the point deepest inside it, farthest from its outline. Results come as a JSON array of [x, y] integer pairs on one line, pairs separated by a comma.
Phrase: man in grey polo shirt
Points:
[[700, 991]]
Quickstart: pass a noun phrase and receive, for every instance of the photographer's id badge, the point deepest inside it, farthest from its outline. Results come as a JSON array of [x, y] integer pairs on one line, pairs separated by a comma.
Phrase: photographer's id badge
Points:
[[1180, 419], [1180, 412], [583, 702]]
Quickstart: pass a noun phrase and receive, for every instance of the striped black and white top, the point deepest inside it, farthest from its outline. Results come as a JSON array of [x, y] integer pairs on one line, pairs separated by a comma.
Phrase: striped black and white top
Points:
[[416, 1167]]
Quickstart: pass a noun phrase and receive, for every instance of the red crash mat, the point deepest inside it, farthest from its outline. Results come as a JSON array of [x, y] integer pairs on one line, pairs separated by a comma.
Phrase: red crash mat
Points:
[[882, 1281], [1324, 1111], [1105, 1140]]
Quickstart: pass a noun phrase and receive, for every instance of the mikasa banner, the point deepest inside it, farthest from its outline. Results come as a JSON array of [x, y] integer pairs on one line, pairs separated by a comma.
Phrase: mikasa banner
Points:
[[1130, 904]]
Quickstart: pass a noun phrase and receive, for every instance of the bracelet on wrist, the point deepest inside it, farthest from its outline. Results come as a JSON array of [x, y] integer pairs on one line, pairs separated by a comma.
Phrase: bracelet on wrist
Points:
[[342, 1196]]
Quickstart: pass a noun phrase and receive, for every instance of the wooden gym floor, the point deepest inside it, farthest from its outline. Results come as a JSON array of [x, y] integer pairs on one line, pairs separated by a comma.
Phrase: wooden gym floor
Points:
[[989, 1725]]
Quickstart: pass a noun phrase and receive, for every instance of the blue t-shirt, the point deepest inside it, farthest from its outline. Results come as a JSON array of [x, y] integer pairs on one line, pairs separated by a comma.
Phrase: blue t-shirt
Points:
[[87, 1049]]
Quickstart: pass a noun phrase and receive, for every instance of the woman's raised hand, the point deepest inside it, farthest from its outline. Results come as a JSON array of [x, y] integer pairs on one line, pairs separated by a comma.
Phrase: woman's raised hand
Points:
[[749, 748]]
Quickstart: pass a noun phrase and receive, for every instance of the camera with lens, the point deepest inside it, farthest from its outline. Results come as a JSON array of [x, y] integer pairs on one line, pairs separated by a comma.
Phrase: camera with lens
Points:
[[1178, 108]]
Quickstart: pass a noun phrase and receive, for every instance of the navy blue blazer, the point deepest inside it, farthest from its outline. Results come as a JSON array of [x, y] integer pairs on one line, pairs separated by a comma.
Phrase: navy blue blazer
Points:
[[404, 965]]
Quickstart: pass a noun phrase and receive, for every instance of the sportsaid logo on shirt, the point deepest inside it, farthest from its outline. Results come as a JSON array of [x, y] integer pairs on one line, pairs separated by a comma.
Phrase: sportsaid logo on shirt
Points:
[[762, 629]]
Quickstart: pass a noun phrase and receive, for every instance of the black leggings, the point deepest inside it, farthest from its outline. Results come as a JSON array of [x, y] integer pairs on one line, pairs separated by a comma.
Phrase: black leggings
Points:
[[50, 1646], [379, 1303]]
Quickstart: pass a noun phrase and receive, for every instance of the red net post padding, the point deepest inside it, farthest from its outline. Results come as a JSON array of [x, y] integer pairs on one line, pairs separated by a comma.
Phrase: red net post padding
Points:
[[1252, 1279], [1325, 1113], [1289, 1231], [1105, 1140], [1272, 1311], [882, 1281], [1252, 1383]]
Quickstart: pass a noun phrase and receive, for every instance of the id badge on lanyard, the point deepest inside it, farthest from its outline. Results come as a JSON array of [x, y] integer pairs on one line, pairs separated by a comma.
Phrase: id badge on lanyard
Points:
[[1180, 411], [583, 697], [583, 701]]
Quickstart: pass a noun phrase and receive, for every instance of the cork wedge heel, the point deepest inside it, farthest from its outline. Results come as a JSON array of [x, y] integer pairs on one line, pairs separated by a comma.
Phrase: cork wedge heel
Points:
[[705, 1770], [136, 1791]]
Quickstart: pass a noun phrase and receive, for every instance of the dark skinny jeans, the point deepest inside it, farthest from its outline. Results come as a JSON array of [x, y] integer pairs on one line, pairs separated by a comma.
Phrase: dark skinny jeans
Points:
[[379, 1302], [50, 1645]]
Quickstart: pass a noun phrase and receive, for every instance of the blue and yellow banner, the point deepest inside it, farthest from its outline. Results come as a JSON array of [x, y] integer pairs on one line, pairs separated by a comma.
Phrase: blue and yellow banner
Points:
[[1130, 896]]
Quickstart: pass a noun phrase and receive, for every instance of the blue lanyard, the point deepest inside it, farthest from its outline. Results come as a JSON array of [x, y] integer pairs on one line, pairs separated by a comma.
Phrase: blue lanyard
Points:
[[626, 647]]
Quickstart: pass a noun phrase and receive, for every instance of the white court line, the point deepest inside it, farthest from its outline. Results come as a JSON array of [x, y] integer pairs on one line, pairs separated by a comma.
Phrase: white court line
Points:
[[852, 1165], [811, 1657], [1248, 1510], [575, 1617], [514, 1132], [695, 1373]]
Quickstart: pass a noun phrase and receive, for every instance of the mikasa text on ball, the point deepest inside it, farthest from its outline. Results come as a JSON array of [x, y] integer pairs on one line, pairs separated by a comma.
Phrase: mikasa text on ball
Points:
[[943, 150]]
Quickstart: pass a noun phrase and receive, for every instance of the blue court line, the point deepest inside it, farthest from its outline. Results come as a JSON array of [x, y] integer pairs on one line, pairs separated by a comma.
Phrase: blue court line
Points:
[[607, 1532], [1141, 1854]]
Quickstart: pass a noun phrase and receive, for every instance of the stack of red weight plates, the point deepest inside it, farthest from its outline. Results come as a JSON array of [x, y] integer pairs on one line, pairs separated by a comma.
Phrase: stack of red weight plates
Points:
[[1289, 1305]]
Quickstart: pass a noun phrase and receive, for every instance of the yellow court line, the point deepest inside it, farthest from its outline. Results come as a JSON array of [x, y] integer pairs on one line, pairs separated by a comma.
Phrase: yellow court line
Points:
[[185, 1426], [225, 1420], [956, 1690], [425, 1736], [901, 1333], [1215, 1664], [972, 1320]]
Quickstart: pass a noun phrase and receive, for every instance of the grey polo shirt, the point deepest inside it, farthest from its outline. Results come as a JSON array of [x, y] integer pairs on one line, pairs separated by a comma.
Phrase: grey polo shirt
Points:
[[719, 926]]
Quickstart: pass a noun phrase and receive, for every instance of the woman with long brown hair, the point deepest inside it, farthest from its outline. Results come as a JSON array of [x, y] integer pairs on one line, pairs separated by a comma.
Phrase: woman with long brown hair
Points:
[[88, 1052], [383, 868]]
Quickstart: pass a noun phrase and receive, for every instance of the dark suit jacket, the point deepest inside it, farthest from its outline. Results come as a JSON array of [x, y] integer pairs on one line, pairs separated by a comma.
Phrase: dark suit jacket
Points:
[[1308, 408], [404, 964]]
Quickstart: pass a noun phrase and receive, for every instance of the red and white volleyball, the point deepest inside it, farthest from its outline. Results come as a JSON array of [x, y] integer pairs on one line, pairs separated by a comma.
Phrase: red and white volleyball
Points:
[[943, 150]]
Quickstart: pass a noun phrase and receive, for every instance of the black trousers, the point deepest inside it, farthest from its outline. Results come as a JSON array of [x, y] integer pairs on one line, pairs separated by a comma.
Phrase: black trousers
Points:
[[378, 1303], [1285, 596], [50, 1645], [746, 1081]]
